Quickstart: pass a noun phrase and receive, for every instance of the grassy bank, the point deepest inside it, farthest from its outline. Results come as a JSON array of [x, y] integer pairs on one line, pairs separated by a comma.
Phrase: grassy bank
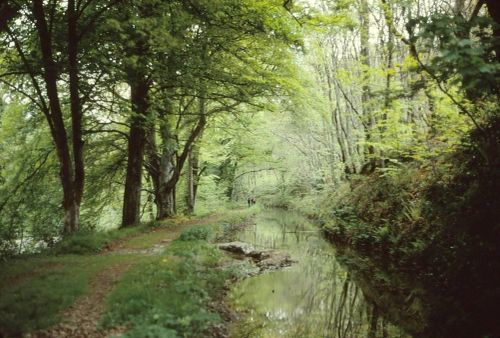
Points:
[[169, 295], [35, 290], [173, 295]]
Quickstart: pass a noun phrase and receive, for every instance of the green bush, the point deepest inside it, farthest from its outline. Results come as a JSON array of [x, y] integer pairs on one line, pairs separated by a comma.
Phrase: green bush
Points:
[[90, 242], [201, 232], [81, 243]]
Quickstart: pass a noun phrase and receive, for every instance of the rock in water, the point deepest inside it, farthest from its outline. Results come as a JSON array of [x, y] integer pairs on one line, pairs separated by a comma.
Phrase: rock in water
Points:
[[265, 259], [259, 255], [237, 247], [275, 260]]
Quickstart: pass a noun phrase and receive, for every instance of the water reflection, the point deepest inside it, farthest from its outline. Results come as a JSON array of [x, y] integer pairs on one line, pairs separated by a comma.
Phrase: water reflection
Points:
[[314, 298]]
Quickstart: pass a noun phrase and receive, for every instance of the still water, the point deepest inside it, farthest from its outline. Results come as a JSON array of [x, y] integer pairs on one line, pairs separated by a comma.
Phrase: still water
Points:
[[315, 297]]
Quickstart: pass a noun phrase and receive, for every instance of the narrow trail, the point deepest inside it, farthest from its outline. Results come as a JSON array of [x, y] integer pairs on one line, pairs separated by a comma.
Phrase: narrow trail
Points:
[[83, 317]]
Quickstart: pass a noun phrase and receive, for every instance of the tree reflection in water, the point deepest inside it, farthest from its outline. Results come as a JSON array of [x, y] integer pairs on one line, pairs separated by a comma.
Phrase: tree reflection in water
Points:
[[314, 298]]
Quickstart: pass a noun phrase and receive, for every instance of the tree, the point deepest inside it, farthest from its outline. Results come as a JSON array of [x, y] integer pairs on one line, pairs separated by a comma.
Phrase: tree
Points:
[[216, 76], [48, 99]]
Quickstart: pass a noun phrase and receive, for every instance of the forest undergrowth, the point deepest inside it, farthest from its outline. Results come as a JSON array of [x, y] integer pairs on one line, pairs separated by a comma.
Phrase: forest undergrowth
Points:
[[435, 225]]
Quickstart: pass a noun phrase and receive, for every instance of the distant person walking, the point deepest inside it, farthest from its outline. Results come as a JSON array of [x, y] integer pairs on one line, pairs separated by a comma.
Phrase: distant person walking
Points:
[[251, 201]]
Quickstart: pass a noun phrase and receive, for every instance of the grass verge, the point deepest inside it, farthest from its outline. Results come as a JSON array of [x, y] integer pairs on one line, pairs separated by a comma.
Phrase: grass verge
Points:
[[171, 295], [34, 292]]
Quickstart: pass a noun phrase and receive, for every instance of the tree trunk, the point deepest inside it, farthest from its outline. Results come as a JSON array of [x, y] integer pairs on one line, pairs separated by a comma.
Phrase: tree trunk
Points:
[[335, 111], [388, 90], [459, 7], [76, 109], [56, 122], [366, 92], [372, 333], [193, 158], [166, 201], [190, 184], [494, 10], [136, 146], [8, 11], [343, 136], [193, 176], [160, 165], [169, 187], [165, 169], [165, 204]]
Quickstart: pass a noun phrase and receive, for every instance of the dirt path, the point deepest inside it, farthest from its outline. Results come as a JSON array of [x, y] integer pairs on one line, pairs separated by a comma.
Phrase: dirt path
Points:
[[82, 319]]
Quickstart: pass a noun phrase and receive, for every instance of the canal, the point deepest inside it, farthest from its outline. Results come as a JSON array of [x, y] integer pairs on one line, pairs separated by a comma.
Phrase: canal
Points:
[[315, 297]]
